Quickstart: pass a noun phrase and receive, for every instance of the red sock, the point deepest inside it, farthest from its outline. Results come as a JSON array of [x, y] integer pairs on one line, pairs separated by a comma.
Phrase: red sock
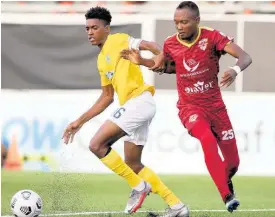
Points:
[[214, 163]]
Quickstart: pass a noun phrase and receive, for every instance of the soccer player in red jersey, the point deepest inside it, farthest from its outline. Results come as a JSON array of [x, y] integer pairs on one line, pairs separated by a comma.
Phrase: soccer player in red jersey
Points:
[[193, 54]]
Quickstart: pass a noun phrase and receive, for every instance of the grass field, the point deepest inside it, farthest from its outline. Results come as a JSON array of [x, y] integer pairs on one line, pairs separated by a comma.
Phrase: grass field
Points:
[[67, 194]]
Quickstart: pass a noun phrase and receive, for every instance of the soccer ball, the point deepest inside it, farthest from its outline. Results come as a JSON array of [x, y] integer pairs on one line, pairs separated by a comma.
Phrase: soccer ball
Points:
[[26, 203]]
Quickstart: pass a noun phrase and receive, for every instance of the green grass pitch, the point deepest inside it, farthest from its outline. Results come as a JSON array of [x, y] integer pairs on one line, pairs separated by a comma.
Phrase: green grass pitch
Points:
[[70, 193]]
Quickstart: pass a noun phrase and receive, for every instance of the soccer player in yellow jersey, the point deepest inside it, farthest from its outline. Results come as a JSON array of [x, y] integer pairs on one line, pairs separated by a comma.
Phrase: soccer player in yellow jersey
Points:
[[131, 120]]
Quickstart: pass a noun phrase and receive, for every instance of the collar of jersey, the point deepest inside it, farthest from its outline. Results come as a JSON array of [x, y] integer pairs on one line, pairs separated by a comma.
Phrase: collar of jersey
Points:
[[192, 43]]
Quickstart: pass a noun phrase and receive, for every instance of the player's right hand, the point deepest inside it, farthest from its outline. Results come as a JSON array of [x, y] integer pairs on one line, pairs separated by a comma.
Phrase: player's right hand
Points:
[[70, 131], [159, 63]]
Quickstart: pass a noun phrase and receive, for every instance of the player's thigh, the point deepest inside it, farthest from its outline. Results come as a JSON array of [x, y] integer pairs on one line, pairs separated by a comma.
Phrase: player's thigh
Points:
[[107, 134], [222, 127], [224, 132], [195, 121], [135, 113], [139, 137]]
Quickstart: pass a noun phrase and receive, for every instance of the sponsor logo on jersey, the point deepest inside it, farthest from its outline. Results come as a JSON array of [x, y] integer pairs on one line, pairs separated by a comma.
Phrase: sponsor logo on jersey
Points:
[[190, 65], [199, 87], [194, 73]]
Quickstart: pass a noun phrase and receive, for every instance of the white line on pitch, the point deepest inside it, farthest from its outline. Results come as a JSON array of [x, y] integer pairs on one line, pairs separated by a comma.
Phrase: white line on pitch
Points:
[[119, 212]]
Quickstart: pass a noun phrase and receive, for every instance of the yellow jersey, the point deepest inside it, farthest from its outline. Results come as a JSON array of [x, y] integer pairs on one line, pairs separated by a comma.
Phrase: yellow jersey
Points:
[[126, 77]]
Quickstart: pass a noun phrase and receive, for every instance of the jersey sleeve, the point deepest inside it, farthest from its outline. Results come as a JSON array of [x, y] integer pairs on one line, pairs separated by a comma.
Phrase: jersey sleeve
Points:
[[221, 40], [169, 61], [166, 52], [104, 80], [134, 43]]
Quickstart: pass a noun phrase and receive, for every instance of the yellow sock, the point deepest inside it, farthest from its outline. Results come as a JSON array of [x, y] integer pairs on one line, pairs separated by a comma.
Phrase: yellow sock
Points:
[[159, 187], [116, 164]]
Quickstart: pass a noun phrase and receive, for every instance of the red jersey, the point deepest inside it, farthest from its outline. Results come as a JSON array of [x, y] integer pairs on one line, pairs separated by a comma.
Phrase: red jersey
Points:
[[197, 67]]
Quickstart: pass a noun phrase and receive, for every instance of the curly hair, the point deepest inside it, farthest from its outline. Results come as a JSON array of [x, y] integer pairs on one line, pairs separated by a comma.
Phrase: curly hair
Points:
[[99, 13], [190, 5]]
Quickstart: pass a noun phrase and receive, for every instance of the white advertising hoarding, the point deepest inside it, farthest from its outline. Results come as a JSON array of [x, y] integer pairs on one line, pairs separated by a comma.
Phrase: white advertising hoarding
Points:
[[38, 118]]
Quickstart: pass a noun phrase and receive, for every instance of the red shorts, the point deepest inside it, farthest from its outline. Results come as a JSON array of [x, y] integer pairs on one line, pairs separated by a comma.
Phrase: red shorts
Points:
[[218, 121]]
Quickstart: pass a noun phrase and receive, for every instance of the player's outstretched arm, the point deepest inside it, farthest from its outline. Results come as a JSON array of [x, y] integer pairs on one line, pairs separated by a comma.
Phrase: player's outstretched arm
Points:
[[140, 44], [105, 99], [158, 63], [150, 46], [244, 60], [163, 65], [134, 56]]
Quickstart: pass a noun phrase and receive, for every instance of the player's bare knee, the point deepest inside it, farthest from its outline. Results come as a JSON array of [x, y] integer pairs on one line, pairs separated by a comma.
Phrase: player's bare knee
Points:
[[98, 149], [94, 148]]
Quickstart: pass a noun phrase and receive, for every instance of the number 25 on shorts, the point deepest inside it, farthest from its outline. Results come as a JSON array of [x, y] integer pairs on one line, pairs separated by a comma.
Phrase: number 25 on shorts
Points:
[[118, 113], [227, 134]]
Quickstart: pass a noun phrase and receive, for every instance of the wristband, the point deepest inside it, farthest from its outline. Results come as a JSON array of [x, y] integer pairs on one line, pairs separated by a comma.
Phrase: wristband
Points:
[[236, 68]]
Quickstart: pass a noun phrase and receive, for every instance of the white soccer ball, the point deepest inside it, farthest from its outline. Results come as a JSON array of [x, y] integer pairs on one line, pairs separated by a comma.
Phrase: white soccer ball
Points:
[[26, 203]]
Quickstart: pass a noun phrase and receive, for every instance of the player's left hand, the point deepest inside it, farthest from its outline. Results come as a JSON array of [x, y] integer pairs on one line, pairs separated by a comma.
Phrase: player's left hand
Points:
[[70, 131], [228, 78]]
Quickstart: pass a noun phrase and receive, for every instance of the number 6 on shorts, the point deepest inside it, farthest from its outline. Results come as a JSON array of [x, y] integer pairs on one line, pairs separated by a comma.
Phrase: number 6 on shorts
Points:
[[118, 113]]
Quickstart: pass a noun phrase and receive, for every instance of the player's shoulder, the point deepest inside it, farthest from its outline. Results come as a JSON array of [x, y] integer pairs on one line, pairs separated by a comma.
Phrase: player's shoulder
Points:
[[119, 36], [211, 33], [171, 39], [208, 31]]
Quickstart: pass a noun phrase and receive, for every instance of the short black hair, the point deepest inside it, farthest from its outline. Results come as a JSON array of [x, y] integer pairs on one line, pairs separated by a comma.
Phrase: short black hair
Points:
[[99, 13], [190, 5]]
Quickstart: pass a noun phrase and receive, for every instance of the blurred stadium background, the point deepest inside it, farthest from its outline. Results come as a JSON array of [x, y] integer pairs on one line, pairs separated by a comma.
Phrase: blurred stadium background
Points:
[[49, 77]]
